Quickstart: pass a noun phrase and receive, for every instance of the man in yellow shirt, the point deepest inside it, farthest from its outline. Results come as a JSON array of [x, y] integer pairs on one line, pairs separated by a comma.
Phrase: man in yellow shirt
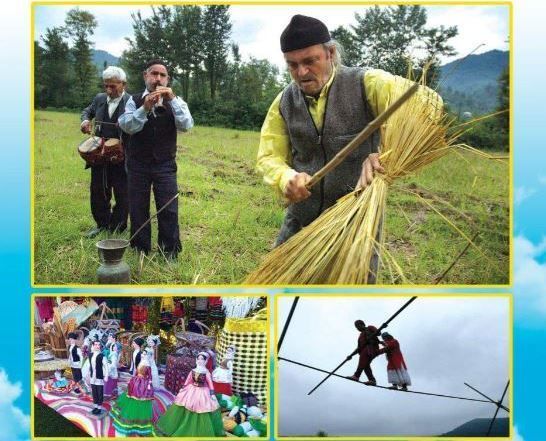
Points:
[[314, 117]]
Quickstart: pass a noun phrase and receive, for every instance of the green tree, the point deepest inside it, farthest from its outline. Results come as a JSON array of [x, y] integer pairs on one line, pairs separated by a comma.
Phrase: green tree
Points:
[[503, 100], [195, 42], [435, 41], [384, 35], [231, 83], [186, 35], [80, 25], [217, 23], [390, 38], [350, 55], [154, 314], [493, 133], [53, 69], [151, 40], [502, 121], [39, 86]]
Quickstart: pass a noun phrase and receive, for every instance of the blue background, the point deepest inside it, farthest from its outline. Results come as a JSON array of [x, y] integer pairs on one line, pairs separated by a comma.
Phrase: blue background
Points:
[[529, 220]]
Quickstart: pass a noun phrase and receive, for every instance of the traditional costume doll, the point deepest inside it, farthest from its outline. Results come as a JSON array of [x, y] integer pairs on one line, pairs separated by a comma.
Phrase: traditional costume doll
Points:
[[397, 372], [75, 357], [244, 420], [195, 411], [222, 376], [98, 375], [59, 385], [94, 335], [137, 354], [60, 381], [111, 340], [152, 343], [111, 386], [132, 412], [255, 424]]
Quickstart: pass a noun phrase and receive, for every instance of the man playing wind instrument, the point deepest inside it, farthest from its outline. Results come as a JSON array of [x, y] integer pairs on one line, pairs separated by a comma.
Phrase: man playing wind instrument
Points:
[[152, 118], [313, 118]]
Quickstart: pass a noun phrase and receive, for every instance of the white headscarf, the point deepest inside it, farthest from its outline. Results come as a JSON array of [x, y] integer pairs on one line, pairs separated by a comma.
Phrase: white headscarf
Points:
[[145, 358], [230, 353], [200, 365], [153, 340]]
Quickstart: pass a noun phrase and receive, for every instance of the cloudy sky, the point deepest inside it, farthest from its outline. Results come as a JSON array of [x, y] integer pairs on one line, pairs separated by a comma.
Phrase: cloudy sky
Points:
[[445, 341], [257, 28]]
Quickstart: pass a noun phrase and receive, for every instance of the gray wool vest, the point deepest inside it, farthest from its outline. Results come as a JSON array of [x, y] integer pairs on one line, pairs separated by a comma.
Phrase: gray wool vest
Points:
[[347, 113]]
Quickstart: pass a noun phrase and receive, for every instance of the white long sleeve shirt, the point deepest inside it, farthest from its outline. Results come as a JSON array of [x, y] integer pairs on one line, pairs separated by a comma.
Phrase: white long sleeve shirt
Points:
[[132, 121]]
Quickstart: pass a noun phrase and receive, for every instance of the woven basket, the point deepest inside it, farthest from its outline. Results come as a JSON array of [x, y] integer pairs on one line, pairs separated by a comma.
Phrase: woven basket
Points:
[[193, 339], [249, 336], [105, 322]]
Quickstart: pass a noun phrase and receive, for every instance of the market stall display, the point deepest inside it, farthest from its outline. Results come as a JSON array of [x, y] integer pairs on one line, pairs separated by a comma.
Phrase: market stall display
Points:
[[129, 378]]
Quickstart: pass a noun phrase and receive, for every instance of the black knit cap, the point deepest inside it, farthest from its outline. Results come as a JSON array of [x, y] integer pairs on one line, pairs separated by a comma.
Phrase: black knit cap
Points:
[[154, 62], [303, 31]]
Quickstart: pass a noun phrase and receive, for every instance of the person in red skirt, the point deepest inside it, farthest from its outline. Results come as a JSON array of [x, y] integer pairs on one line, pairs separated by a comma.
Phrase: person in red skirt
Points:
[[367, 350], [397, 371]]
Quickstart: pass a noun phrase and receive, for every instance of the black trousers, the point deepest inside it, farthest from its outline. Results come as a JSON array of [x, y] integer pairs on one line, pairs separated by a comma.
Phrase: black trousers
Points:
[[161, 178], [364, 361], [98, 394], [76, 374], [108, 180]]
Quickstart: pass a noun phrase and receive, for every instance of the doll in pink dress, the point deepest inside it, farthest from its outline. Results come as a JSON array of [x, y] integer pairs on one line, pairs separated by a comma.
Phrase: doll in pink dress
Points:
[[195, 411]]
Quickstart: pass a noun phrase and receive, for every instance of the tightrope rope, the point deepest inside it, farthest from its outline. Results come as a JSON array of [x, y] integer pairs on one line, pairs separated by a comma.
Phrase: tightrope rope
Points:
[[385, 387]]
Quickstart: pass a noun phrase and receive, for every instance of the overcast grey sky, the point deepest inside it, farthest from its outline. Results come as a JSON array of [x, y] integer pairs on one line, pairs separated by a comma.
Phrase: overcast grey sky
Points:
[[257, 28], [446, 341]]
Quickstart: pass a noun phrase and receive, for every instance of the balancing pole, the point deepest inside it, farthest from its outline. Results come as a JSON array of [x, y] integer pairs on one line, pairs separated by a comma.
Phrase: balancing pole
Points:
[[498, 408], [378, 332], [498, 403], [287, 323]]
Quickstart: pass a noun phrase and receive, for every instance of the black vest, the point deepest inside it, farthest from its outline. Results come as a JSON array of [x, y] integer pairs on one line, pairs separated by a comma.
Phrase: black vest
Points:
[[75, 356], [108, 129], [156, 142], [98, 362], [137, 361]]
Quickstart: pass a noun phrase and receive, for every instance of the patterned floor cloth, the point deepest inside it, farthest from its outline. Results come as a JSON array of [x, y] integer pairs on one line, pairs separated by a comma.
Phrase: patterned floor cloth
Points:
[[77, 408]]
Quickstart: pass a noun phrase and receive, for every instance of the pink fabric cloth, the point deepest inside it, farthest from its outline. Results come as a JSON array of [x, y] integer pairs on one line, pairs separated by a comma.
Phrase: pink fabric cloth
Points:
[[196, 394], [140, 386], [45, 307]]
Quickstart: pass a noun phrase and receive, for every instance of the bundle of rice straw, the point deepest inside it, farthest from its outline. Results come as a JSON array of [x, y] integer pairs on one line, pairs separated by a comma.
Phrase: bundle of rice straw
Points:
[[338, 247]]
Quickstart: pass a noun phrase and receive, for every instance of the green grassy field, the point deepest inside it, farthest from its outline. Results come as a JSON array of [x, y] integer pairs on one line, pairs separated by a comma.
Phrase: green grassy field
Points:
[[229, 218]]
